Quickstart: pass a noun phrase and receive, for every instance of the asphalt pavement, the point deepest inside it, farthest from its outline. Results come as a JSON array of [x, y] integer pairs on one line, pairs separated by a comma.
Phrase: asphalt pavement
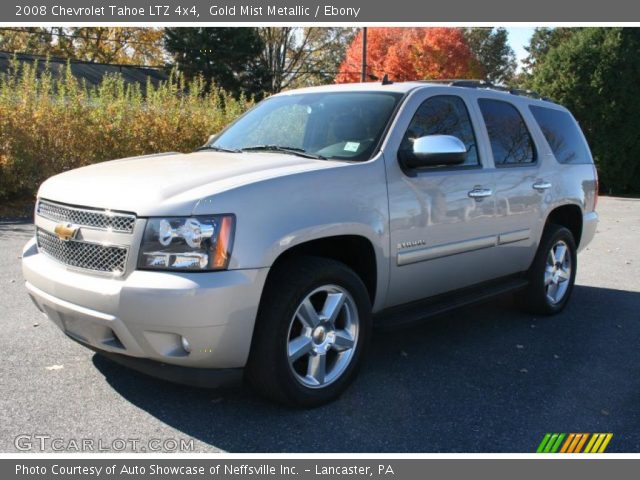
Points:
[[484, 379]]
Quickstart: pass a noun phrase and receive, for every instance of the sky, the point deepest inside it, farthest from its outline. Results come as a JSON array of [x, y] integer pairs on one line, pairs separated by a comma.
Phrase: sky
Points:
[[519, 38]]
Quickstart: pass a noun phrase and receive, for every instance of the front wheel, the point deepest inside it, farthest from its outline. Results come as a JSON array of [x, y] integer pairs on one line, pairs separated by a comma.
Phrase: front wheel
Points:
[[311, 332], [553, 272]]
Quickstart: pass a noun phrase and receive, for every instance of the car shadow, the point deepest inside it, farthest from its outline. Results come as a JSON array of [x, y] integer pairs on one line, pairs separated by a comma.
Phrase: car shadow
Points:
[[484, 379]]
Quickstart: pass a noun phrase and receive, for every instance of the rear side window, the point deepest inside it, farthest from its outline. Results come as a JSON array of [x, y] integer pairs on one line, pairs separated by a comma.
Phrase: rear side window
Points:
[[510, 139], [562, 134]]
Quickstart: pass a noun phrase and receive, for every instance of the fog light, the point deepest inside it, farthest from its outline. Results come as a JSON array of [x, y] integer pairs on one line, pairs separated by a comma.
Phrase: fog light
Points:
[[186, 345]]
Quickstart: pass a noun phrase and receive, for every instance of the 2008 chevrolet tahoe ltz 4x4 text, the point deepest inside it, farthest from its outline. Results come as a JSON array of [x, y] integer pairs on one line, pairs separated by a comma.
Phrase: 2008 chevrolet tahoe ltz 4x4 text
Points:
[[271, 251]]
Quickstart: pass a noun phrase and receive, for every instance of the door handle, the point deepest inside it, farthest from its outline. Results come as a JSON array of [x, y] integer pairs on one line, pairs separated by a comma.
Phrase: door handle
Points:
[[540, 186], [479, 193]]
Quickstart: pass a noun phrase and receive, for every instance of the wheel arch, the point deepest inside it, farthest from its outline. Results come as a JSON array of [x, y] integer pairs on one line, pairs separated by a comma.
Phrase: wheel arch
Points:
[[355, 251], [569, 216]]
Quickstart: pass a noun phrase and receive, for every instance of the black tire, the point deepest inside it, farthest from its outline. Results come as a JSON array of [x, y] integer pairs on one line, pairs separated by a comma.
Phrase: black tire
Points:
[[268, 369], [535, 298]]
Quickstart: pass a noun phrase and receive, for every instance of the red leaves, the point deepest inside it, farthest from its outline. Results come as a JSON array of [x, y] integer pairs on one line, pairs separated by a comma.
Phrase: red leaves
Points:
[[411, 54]]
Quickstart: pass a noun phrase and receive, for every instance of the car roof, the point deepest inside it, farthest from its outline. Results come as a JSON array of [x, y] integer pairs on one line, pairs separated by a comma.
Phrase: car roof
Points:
[[456, 85]]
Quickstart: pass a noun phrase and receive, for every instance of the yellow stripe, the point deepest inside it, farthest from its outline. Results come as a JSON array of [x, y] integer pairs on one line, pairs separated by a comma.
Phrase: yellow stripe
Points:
[[590, 444], [607, 439], [584, 439], [567, 442], [598, 442], [574, 443]]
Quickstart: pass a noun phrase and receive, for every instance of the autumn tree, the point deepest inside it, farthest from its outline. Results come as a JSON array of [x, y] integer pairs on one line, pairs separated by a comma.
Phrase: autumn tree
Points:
[[125, 45], [411, 54]]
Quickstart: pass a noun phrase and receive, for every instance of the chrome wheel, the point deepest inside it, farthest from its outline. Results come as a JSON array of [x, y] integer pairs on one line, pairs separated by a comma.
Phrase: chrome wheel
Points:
[[323, 335], [557, 273]]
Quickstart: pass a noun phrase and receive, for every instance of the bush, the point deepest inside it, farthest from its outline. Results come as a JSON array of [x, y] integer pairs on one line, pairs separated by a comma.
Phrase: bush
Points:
[[51, 124]]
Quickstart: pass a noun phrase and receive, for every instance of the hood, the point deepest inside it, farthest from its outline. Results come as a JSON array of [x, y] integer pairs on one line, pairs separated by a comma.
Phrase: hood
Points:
[[169, 184]]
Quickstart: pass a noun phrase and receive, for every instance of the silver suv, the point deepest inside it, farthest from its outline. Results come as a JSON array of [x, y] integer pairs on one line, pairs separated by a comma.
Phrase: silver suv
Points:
[[272, 251]]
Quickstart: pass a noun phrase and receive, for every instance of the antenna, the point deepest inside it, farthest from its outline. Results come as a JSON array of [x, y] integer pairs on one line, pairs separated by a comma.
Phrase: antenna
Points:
[[385, 80]]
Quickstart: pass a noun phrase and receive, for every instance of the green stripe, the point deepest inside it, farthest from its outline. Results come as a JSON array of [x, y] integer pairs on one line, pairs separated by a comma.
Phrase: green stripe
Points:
[[551, 443], [543, 443], [555, 448]]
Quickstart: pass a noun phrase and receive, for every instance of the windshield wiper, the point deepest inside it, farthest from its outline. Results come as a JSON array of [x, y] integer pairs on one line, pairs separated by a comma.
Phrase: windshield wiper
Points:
[[217, 149], [301, 152]]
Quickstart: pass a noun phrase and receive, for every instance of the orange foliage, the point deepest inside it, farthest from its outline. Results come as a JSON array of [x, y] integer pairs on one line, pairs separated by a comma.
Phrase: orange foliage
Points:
[[411, 54]]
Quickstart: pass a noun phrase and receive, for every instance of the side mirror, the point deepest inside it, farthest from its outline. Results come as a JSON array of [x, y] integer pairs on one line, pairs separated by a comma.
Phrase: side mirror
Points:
[[436, 150]]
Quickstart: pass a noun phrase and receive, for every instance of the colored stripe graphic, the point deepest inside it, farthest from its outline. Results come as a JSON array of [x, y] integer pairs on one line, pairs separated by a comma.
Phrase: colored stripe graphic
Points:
[[552, 442]]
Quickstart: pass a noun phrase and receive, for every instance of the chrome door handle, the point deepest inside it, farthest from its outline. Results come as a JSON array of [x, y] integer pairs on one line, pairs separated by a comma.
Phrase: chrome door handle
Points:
[[540, 186], [480, 192]]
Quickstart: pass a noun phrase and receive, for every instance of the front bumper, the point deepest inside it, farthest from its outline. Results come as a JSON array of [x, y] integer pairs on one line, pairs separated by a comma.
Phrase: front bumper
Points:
[[145, 314]]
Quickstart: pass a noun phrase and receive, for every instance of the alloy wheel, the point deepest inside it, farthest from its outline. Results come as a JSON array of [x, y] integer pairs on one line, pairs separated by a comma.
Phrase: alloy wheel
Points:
[[557, 273], [323, 335]]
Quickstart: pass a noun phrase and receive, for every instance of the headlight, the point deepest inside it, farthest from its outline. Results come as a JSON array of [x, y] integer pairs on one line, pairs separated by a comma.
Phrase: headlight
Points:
[[191, 243]]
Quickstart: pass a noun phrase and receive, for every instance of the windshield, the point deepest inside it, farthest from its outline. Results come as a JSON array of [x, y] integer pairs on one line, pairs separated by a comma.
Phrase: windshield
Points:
[[334, 125]]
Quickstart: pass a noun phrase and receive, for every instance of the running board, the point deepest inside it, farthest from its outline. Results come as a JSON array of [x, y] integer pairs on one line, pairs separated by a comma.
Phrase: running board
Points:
[[417, 312]]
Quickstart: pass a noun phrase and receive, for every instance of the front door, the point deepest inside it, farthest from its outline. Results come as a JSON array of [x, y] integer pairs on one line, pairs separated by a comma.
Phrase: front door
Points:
[[443, 234]]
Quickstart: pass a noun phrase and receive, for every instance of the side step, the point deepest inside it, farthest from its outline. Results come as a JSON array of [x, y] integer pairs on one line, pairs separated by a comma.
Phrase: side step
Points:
[[417, 312]]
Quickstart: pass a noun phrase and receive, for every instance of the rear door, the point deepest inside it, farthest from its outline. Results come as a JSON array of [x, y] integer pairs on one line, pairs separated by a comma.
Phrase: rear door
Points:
[[520, 185], [443, 233]]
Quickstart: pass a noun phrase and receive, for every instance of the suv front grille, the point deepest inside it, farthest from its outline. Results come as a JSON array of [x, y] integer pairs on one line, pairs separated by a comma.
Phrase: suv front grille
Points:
[[98, 219], [87, 256]]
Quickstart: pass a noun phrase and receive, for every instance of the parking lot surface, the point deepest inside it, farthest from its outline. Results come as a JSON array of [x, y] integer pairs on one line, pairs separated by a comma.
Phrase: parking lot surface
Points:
[[484, 379]]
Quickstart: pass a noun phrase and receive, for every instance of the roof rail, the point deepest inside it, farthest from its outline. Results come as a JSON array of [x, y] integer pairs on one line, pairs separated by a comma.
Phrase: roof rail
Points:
[[474, 83]]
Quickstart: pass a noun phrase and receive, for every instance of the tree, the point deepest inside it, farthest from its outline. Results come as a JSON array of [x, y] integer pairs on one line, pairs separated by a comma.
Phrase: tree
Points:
[[227, 56], [594, 73], [297, 56], [542, 40], [34, 40], [411, 54], [490, 47], [125, 45]]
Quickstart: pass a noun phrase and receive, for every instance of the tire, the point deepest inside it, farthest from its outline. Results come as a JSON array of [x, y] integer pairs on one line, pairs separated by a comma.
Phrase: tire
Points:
[[291, 344], [550, 278]]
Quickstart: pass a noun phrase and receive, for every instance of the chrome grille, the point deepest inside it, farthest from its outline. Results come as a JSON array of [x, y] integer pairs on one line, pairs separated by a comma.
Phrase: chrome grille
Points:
[[88, 256], [100, 219]]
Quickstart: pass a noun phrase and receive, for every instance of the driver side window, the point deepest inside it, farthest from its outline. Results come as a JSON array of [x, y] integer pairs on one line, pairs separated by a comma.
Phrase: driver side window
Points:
[[442, 115]]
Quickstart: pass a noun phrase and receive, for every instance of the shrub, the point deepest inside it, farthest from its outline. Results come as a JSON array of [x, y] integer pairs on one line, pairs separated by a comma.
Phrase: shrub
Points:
[[49, 124]]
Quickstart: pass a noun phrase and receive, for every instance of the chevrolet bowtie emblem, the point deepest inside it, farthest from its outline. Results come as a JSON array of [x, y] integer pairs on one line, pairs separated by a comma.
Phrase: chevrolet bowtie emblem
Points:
[[66, 231]]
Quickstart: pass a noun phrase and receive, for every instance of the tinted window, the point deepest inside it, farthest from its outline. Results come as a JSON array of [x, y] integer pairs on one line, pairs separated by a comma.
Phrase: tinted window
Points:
[[562, 134], [442, 115], [510, 140]]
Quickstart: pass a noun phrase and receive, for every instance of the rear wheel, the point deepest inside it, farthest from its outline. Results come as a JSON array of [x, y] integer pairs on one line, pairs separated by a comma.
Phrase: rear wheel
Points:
[[311, 331], [553, 272]]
